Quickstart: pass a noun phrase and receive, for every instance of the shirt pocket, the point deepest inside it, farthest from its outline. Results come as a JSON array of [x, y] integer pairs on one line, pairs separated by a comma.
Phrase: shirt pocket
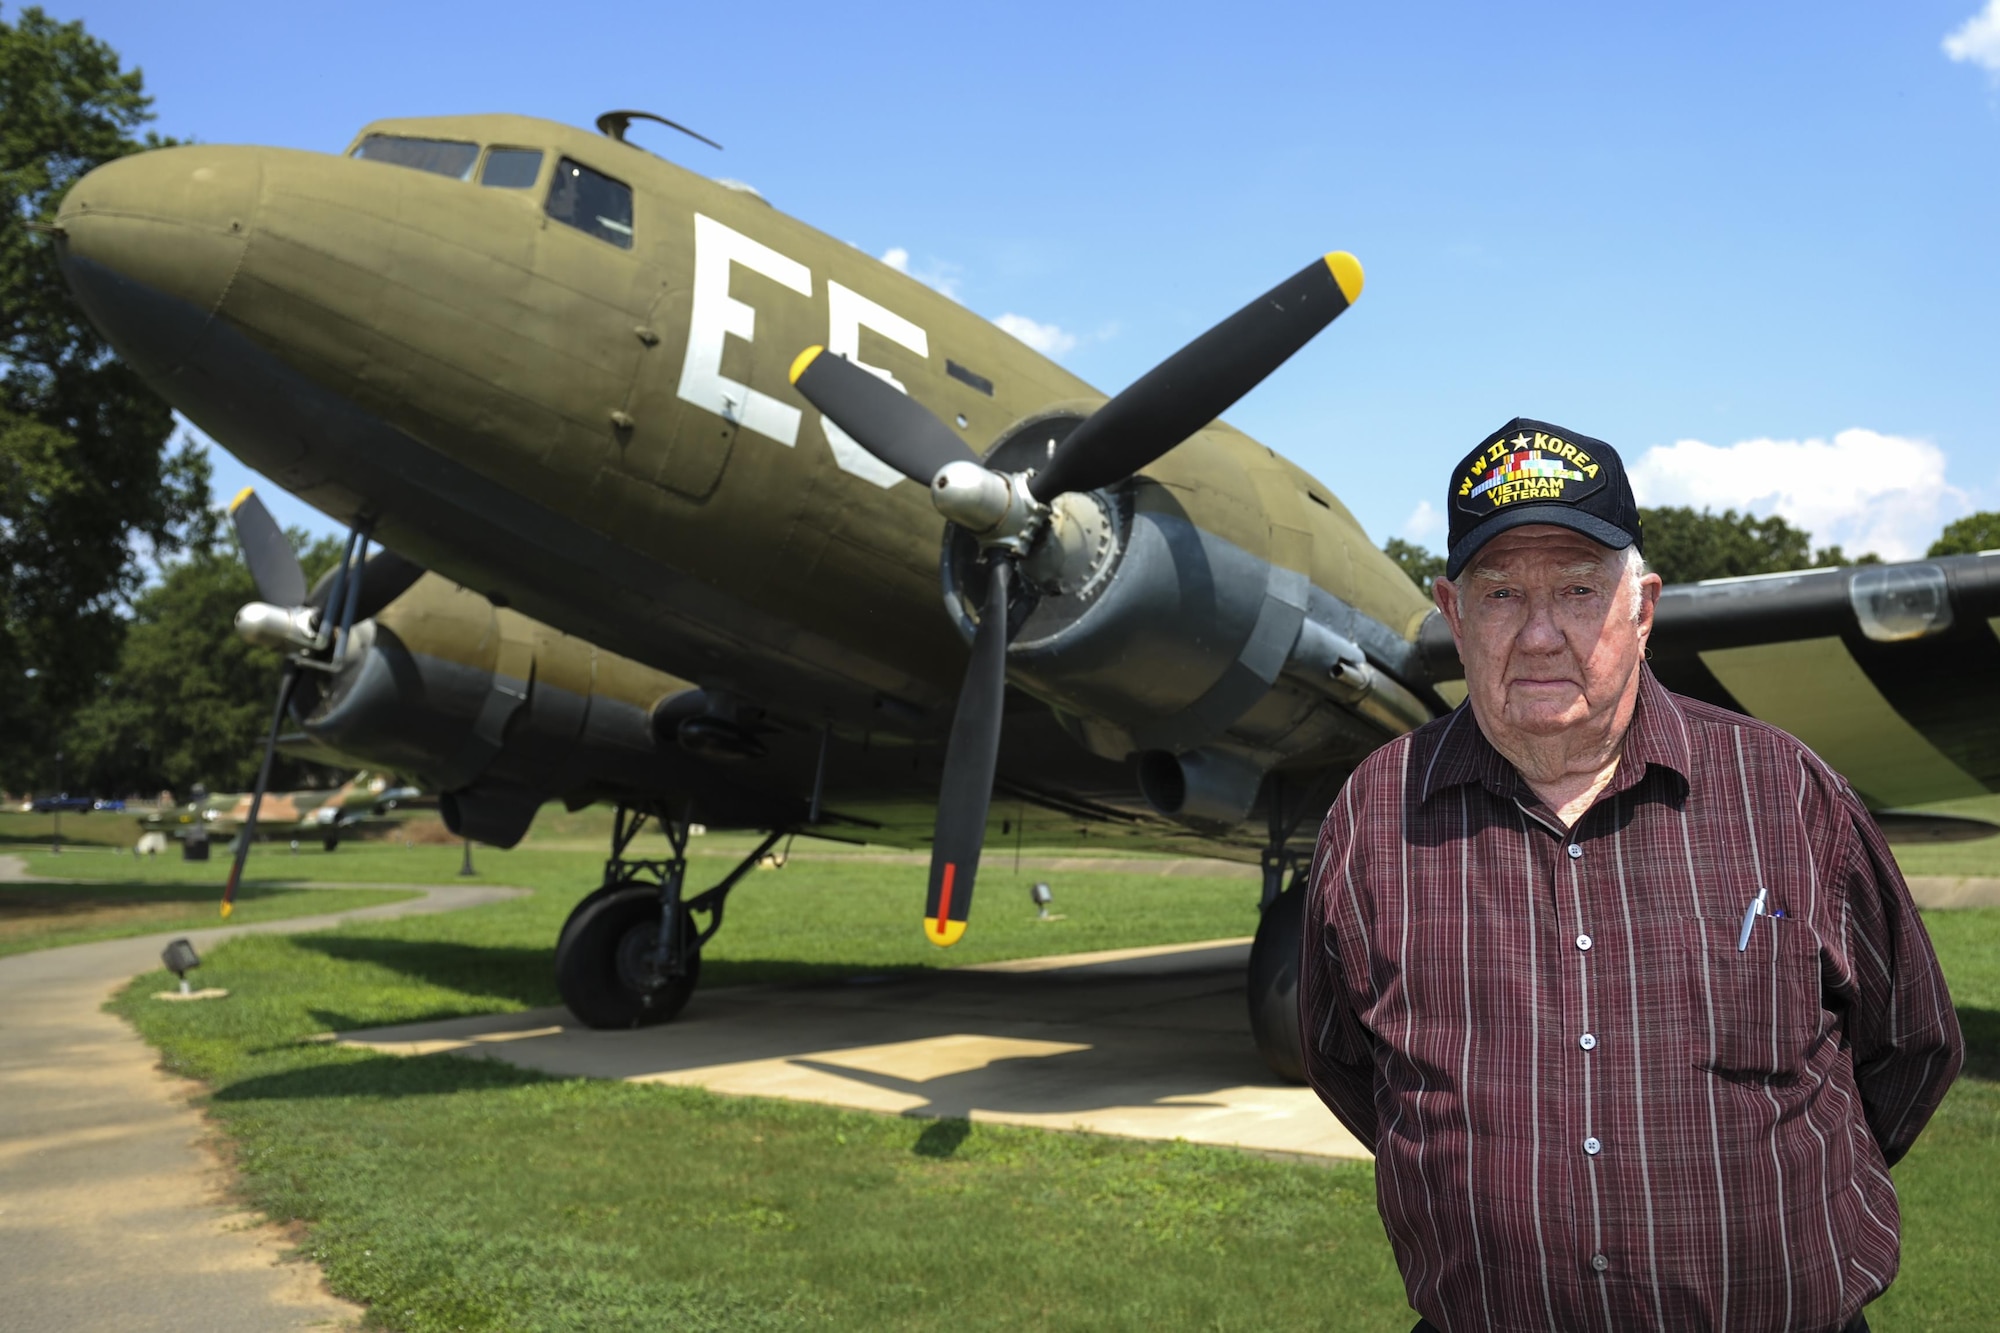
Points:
[[1752, 1014]]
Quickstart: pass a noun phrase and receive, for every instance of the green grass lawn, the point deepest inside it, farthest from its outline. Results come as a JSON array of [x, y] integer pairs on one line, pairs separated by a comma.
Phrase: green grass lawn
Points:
[[457, 1193], [465, 1194]]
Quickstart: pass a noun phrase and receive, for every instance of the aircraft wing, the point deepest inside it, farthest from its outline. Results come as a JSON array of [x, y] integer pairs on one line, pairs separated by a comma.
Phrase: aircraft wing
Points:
[[1887, 671]]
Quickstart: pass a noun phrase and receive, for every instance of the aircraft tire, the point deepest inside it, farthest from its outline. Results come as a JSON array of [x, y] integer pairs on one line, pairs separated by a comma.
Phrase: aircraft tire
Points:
[[1274, 986], [599, 972]]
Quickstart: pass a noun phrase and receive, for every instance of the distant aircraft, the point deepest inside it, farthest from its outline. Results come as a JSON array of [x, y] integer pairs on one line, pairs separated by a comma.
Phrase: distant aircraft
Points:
[[362, 806], [710, 476]]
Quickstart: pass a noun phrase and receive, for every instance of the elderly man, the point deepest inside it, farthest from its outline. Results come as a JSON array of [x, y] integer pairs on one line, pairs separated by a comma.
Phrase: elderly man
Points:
[[1624, 989]]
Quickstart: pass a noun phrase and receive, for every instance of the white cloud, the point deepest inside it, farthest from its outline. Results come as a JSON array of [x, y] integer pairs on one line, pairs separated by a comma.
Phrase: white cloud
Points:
[[1977, 40], [1863, 490], [1047, 339], [940, 277], [1423, 525]]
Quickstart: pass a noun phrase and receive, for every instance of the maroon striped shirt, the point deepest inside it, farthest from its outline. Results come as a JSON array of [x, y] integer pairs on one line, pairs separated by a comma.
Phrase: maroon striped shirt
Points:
[[1589, 1109]]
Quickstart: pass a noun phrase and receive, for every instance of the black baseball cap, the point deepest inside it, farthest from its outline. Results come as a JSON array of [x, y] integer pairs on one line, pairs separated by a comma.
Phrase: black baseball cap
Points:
[[1532, 472]]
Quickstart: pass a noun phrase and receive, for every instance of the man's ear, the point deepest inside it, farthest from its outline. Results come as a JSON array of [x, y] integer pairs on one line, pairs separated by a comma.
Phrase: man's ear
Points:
[[1445, 594], [1649, 599]]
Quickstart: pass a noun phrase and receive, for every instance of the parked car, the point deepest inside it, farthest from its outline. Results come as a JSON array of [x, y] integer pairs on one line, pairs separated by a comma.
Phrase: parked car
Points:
[[107, 803], [45, 805]]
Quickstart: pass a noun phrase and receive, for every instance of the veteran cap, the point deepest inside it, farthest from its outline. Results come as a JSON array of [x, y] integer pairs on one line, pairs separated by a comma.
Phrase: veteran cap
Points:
[[1532, 472]]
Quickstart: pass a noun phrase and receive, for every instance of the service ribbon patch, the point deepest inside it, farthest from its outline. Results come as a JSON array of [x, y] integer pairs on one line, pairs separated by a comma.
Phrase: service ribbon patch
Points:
[[1528, 465]]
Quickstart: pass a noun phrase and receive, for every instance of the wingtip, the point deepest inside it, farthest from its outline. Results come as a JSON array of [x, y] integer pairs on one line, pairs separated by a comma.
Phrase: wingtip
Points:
[[804, 359], [1347, 273]]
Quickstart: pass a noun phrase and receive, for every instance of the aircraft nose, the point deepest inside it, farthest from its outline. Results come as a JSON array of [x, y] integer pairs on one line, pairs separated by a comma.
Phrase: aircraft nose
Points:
[[149, 244]]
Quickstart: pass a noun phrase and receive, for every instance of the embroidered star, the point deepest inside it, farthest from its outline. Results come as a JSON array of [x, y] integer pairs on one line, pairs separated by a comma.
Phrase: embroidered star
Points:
[[1521, 440]]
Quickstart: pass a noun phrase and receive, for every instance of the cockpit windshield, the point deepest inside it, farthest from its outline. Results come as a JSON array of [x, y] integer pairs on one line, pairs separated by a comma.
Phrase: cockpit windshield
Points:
[[592, 202], [440, 157]]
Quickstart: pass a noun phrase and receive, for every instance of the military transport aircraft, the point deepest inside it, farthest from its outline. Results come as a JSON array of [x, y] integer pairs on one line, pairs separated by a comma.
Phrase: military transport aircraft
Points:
[[638, 421]]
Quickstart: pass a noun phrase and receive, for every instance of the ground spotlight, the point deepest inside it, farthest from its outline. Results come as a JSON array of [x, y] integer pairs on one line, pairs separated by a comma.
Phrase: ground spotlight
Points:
[[1043, 897], [180, 959]]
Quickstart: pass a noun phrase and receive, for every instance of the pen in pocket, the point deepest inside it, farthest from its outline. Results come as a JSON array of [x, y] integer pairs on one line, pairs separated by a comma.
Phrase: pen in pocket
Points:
[[1750, 915]]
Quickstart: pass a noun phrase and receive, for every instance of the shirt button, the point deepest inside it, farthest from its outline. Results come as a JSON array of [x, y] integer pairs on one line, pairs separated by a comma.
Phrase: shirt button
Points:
[[1583, 941], [1592, 1146], [1575, 851], [1588, 1041], [1599, 1262]]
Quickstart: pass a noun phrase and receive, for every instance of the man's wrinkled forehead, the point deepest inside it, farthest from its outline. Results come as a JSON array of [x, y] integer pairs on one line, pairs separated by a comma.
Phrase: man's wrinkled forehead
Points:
[[1541, 543]]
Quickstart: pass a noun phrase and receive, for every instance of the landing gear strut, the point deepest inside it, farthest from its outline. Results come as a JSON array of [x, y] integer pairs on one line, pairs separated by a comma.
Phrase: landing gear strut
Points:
[[630, 953], [1273, 981]]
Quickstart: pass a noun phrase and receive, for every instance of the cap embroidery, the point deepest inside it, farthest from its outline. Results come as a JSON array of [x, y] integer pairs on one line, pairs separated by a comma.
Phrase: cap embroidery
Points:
[[1537, 467]]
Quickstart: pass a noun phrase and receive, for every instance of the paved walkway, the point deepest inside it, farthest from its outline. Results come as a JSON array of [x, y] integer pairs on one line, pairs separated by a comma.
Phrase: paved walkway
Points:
[[113, 1213], [1954, 891]]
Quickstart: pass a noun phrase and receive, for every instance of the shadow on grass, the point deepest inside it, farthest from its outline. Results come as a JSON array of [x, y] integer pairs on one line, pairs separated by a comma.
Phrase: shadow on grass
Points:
[[383, 1076], [941, 1138], [1982, 1043], [33, 899], [526, 976]]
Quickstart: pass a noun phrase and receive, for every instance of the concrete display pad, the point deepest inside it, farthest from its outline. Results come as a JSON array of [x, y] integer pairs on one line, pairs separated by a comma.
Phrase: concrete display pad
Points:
[[1146, 1043]]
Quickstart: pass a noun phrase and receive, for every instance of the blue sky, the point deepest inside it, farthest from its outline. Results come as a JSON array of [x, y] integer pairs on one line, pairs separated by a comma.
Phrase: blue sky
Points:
[[1751, 246]]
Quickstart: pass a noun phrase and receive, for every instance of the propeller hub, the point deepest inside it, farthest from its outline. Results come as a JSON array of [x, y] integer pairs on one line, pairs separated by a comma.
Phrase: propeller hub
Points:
[[995, 507], [294, 627]]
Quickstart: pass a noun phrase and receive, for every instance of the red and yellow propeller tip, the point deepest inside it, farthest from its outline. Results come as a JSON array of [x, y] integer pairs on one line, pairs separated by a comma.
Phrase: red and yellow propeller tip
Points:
[[241, 496], [1347, 273], [943, 931], [804, 359]]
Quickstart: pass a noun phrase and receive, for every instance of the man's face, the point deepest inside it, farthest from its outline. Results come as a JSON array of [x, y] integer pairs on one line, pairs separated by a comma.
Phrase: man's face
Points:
[[1545, 627]]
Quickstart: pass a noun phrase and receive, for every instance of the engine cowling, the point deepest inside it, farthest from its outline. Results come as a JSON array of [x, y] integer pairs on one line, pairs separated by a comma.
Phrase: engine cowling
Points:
[[1178, 623], [500, 714]]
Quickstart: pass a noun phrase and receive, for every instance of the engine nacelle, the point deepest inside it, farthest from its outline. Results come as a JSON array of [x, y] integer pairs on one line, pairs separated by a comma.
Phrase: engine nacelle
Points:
[[499, 714], [1178, 623]]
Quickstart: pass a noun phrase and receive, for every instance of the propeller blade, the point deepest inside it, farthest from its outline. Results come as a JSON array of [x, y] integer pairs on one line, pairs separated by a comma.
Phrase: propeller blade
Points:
[[273, 566], [884, 420], [385, 576], [969, 760], [286, 684], [1201, 381]]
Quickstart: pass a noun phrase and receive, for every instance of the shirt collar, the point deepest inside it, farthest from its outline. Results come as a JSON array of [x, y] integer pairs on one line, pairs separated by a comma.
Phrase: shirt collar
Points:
[[1656, 736]]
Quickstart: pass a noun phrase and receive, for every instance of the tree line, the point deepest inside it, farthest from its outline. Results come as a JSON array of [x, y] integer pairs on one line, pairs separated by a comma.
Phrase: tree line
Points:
[[1687, 545]]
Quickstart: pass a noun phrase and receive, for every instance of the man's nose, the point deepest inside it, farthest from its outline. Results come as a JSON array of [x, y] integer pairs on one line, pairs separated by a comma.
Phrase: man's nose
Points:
[[1539, 632]]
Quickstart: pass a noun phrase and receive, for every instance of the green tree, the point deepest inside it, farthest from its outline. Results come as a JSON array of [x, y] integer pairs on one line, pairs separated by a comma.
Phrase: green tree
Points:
[[1684, 545], [89, 487], [189, 700], [1969, 535], [1414, 560]]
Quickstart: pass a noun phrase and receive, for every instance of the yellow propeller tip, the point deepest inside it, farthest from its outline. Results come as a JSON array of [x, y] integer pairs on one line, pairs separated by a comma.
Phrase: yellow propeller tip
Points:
[[241, 496], [1346, 272], [943, 933], [227, 908], [804, 359]]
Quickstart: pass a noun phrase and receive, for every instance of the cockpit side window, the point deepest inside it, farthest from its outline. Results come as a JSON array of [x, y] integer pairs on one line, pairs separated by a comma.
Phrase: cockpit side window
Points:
[[511, 168], [440, 157], [592, 202]]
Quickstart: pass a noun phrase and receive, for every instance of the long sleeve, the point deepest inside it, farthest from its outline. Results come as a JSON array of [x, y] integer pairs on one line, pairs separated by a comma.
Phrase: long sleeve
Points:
[[1340, 1061], [1901, 1028]]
